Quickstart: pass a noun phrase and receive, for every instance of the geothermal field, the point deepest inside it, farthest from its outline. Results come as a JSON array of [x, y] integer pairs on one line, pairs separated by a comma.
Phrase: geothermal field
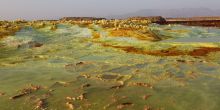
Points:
[[99, 64]]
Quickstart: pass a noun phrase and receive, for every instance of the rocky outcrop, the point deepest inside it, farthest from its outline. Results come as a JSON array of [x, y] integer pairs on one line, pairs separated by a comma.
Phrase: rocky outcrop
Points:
[[31, 44], [81, 18], [153, 19]]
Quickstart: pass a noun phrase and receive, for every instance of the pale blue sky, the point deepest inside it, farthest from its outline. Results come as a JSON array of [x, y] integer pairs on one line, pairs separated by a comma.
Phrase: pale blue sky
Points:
[[47, 9]]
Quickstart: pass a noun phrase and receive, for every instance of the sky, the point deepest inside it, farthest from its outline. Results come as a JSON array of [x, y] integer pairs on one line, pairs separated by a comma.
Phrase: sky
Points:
[[53, 9]]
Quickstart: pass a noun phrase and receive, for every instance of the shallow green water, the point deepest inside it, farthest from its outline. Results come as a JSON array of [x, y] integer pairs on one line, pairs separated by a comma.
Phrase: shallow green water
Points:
[[180, 33], [69, 59]]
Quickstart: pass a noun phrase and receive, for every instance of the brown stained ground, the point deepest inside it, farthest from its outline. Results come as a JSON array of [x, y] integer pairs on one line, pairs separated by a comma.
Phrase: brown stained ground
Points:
[[5, 32], [9, 28], [133, 33], [201, 51]]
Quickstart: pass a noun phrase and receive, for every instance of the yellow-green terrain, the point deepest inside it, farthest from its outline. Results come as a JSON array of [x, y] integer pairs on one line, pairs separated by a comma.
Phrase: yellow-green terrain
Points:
[[108, 65]]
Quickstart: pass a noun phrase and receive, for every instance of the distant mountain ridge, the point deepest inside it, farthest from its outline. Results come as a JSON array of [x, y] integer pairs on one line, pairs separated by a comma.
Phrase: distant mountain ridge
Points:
[[172, 13]]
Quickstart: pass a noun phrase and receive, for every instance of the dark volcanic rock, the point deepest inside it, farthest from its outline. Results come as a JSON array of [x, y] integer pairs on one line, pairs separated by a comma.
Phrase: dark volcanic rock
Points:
[[81, 18], [195, 21], [154, 19], [31, 44]]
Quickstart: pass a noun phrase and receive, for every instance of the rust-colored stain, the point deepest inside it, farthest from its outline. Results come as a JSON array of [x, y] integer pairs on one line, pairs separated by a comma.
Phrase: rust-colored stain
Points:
[[201, 51], [133, 33], [130, 49]]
